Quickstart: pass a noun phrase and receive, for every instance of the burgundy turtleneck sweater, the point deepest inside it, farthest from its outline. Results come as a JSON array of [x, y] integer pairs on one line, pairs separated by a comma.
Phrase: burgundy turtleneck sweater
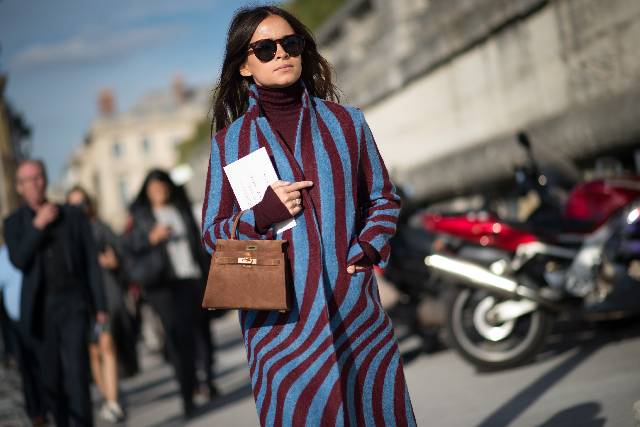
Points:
[[281, 107]]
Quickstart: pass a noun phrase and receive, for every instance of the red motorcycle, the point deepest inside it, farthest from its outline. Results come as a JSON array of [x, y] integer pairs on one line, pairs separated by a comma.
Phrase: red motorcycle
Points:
[[512, 279]]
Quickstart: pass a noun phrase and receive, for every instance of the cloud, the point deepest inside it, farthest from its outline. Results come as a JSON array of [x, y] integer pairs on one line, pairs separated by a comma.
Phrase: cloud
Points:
[[85, 50], [144, 9]]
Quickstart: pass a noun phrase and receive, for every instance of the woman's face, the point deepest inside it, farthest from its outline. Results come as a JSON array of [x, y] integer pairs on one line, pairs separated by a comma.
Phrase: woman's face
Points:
[[76, 198], [157, 192], [283, 70]]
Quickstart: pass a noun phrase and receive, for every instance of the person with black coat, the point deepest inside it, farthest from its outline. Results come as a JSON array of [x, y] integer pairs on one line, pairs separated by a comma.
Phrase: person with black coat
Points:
[[112, 348], [168, 260], [62, 287]]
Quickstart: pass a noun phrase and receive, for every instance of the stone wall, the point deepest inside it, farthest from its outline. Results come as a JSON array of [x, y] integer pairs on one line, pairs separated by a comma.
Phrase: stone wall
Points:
[[441, 78]]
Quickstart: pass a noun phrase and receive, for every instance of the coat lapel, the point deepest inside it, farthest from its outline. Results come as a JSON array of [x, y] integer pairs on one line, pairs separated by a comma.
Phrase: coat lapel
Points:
[[275, 143], [289, 165]]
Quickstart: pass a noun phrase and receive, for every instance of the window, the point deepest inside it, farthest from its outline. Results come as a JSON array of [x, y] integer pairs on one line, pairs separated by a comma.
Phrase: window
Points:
[[146, 145], [96, 185], [118, 149], [123, 189]]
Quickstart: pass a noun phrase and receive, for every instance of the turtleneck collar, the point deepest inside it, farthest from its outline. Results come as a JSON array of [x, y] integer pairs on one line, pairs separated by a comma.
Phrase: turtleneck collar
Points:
[[281, 99]]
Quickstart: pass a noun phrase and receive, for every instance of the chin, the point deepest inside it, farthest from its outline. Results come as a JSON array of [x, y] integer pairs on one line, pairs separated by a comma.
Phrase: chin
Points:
[[286, 82], [281, 81]]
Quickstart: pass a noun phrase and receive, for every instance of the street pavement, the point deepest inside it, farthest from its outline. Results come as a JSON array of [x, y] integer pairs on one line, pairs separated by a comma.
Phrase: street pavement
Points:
[[587, 376]]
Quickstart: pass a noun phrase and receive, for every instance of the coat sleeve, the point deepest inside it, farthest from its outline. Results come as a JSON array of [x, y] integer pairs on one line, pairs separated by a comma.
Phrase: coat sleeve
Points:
[[381, 204], [136, 237], [22, 242], [220, 207]]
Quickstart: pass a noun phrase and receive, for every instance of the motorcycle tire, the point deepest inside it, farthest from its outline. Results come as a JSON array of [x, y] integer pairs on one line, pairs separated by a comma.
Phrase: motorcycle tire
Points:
[[513, 342]]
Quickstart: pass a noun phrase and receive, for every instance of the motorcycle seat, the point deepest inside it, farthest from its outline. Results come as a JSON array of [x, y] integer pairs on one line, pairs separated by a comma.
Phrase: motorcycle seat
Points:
[[560, 231]]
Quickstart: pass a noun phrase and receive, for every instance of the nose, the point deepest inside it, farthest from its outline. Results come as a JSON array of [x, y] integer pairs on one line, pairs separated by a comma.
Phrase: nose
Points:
[[280, 52]]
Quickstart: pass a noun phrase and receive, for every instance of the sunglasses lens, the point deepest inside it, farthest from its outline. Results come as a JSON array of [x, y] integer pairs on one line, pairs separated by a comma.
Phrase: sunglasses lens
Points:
[[265, 50], [293, 45]]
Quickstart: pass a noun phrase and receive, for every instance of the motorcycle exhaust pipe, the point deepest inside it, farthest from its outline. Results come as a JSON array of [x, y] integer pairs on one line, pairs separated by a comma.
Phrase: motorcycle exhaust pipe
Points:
[[479, 277]]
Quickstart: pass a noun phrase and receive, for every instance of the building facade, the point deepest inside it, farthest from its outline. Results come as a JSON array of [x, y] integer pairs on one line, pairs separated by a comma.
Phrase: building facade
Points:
[[13, 148], [121, 148], [446, 84]]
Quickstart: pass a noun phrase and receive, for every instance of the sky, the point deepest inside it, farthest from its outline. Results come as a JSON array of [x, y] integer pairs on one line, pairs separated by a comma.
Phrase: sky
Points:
[[59, 54]]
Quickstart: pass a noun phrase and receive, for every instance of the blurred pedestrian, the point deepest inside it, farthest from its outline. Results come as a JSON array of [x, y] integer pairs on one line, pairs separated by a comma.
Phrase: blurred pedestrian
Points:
[[115, 339], [24, 346], [7, 348], [171, 264], [62, 288], [333, 359]]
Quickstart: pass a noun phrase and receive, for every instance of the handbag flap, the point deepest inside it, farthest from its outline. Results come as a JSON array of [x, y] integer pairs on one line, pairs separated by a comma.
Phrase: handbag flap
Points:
[[247, 260], [250, 246]]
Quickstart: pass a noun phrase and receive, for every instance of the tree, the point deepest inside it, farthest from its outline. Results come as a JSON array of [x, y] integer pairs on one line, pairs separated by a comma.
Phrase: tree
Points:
[[313, 13]]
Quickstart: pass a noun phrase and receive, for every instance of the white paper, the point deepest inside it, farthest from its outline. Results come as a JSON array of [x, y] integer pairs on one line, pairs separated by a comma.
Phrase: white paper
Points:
[[249, 178]]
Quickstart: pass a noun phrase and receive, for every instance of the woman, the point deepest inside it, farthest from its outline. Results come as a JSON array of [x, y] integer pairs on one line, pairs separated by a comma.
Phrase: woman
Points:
[[109, 341], [171, 265], [333, 359]]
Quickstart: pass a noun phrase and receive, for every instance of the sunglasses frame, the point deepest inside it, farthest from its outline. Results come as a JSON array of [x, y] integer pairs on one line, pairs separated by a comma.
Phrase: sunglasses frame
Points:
[[252, 46]]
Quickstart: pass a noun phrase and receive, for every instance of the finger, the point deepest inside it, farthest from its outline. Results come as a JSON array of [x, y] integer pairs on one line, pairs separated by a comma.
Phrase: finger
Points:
[[294, 195], [291, 205], [299, 185], [351, 269], [279, 184]]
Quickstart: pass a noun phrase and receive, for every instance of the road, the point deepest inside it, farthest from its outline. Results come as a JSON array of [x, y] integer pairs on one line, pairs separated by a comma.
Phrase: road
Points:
[[587, 376]]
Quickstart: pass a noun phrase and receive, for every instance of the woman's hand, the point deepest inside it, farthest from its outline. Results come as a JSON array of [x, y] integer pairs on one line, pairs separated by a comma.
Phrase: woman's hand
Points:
[[289, 194], [108, 259], [356, 268], [159, 233]]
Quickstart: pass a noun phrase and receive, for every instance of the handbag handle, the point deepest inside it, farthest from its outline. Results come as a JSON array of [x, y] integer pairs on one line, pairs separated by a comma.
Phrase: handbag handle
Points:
[[234, 227]]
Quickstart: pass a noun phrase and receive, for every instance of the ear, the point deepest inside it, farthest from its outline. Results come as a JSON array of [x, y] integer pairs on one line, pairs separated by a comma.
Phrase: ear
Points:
[[244, 69]]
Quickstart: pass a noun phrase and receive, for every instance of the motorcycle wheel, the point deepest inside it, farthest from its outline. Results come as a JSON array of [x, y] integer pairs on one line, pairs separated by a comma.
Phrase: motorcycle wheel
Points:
[[492, 347]]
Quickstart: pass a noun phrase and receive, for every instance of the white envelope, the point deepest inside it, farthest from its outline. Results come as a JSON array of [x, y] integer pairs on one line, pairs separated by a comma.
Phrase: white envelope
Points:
[[249, 178]]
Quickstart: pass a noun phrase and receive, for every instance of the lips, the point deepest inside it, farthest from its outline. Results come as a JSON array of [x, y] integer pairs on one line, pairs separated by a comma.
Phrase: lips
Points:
[[283, 67]]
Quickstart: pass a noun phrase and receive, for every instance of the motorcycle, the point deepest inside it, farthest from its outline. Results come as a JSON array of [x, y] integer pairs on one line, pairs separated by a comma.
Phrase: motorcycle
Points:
[[513, 279]]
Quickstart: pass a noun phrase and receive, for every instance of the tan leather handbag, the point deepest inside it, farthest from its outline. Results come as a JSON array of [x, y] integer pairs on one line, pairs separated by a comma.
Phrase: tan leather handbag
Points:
[[248, 274]]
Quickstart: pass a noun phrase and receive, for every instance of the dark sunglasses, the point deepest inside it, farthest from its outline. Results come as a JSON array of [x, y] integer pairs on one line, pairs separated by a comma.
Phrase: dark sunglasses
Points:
[[265, 50]]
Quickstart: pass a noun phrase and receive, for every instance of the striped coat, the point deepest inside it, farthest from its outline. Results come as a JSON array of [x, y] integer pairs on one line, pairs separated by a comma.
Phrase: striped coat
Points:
[[333, 359]]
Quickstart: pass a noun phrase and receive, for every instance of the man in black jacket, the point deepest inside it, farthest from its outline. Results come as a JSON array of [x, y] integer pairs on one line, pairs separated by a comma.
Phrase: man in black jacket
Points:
[[62, 288]]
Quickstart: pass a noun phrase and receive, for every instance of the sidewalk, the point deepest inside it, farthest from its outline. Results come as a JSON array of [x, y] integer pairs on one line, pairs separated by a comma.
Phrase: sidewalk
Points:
[[12, 412], [151, 398]]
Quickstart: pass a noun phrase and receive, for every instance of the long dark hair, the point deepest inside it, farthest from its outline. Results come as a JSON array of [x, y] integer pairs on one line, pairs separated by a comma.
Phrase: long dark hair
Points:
[[88, 204], [177, 196], [231, 93]]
